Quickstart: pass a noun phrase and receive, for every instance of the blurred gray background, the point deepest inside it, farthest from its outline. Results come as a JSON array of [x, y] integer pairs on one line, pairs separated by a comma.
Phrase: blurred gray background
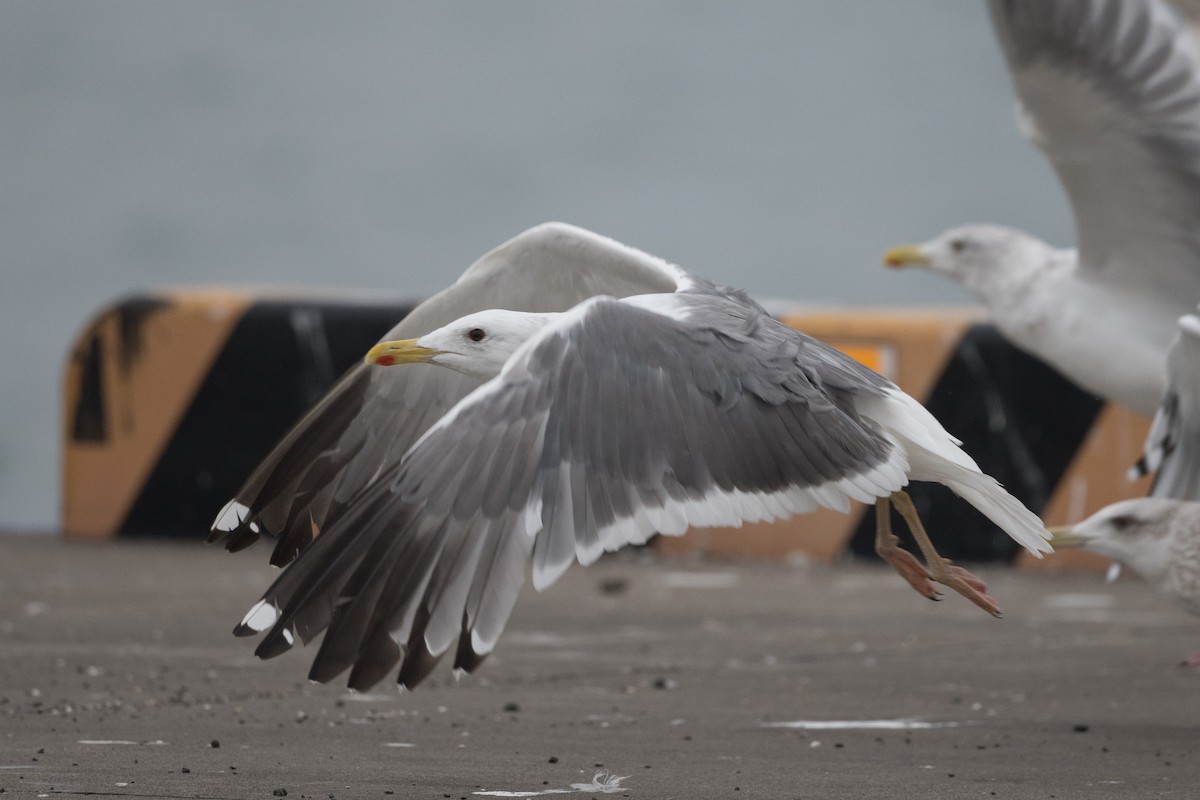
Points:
[[776, 146]]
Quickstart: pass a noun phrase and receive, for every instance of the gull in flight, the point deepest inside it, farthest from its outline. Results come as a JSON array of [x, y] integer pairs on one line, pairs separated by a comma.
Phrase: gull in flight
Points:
[[1109, 90], [558, 435]]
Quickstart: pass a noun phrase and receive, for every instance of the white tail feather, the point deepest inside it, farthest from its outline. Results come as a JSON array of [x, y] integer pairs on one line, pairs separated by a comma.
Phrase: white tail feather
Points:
[[934, 455], [992, 500]]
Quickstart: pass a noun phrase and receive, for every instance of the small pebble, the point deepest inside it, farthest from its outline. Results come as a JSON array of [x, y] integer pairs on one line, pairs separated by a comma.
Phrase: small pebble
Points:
[[613, 585], [512, 708], [1079, 728], [553, 759], [280, 792], [214, 744]]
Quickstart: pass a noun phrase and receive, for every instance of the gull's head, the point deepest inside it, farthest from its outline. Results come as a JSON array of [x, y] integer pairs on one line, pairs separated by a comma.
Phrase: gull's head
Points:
[[1136, 532], [478, 344], [977, 256]]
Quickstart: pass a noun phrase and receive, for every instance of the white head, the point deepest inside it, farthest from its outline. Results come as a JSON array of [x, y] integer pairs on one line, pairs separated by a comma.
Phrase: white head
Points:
[[980, 257], [478, 344], [1135, 532]]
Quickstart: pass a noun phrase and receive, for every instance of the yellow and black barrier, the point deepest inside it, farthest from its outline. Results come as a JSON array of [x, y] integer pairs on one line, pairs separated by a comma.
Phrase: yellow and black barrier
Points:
[[172, 398]]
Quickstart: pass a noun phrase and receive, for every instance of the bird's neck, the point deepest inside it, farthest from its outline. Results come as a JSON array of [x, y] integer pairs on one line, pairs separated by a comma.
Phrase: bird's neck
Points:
[[1020, 279]]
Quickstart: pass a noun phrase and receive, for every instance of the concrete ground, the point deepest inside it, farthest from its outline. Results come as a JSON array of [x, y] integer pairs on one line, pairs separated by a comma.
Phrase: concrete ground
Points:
[[118, 677]]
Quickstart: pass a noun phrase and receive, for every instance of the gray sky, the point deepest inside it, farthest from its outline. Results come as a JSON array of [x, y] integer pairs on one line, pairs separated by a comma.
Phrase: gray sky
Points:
[[776, 146]]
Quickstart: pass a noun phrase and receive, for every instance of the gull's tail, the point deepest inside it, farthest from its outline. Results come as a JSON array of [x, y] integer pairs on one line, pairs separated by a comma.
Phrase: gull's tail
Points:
[[990, 498], [935, 455]]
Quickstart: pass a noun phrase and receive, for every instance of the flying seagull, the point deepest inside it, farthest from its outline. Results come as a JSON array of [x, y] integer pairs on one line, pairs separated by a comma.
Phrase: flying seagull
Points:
[[1157, 538], [1173, 443], [595, 428], [1109, 91]]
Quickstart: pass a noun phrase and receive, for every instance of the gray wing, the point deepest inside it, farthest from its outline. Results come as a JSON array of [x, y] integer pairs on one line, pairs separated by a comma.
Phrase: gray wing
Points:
[[366, 422], [1173, 444], [1109, 90], [613, 424]]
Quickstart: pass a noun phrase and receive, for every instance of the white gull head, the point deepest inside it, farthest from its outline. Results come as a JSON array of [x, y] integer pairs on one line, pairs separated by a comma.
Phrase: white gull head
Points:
[[987, 260], [478, 344]]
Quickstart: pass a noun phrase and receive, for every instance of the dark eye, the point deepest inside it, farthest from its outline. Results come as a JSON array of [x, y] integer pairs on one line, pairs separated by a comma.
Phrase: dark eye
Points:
[[476, 334], [958, 245], [1121, 522]]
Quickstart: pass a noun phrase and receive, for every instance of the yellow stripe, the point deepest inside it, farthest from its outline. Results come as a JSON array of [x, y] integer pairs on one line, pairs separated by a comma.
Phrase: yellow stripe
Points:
[[143, 401]]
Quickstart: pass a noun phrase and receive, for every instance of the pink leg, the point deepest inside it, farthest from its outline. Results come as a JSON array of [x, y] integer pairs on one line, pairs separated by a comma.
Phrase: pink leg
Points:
[[940, 569], [887, 546]]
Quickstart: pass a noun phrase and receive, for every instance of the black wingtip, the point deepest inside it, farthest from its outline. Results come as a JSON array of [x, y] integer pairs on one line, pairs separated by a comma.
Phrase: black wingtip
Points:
[[277, 642], [374, 663], [239, 539], [418, 663], [325, 668], [296, 536], [1140, 469], [465, 657]]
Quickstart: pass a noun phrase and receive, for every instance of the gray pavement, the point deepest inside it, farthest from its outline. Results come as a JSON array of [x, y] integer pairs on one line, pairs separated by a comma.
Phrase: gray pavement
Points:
[[118, 677]]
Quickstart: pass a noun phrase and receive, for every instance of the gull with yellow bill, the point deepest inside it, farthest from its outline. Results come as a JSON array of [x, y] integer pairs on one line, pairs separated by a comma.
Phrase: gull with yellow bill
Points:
[[583, 431], [1110, 91]]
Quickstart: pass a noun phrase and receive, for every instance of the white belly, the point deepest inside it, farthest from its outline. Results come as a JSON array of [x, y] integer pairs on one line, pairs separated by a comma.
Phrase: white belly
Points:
[[1114, 350]]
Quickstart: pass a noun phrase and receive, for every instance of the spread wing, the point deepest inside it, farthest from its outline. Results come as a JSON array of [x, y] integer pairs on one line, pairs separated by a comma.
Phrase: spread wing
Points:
[[367, 421], [1173, 444], [616, 422], [1109, 91]]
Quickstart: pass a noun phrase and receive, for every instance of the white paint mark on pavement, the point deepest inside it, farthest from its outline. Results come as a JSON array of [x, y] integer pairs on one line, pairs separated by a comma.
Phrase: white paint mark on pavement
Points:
[[861, 725], [603, 782], [700, 580], [1079, 600]]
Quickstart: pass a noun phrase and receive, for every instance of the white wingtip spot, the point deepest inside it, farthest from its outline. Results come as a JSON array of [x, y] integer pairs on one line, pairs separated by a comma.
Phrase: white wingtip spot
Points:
[[287, 636], [232, 516], [263, 616], [1190, 324]]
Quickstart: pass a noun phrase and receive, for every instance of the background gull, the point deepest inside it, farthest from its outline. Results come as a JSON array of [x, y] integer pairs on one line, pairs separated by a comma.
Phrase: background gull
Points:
[[1157, 538], [1109, 91], [597, 427]]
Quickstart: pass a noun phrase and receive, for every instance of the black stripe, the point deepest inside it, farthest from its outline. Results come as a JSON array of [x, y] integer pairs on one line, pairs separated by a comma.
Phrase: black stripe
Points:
[[89, 417], [268, 374]]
